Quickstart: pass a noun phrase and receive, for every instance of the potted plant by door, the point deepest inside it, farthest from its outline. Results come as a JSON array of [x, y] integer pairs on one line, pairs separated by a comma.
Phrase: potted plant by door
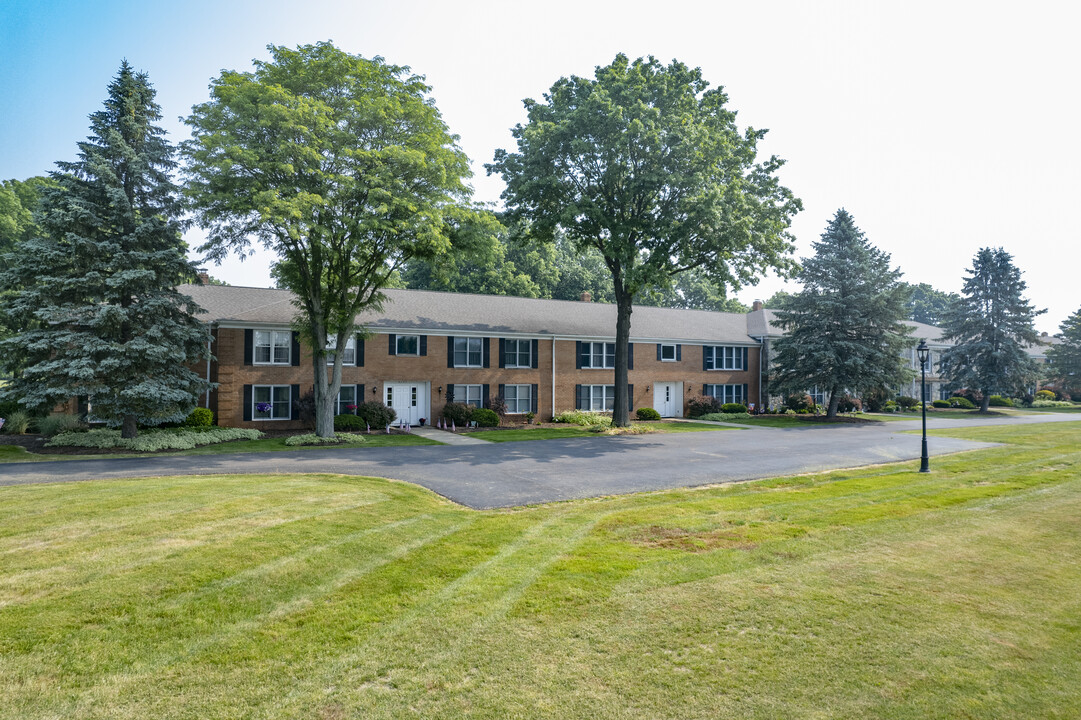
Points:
[[422, 420]]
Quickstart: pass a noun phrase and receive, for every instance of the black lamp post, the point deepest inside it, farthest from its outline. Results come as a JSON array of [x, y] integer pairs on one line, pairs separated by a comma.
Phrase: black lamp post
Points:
[[923, 352]]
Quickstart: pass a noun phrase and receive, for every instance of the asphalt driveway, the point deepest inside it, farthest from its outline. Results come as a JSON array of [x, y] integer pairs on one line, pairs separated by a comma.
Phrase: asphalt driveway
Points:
[[522, 473]]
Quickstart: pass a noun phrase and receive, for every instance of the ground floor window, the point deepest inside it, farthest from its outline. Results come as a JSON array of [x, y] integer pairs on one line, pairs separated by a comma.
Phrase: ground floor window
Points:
[[469, 394], [943, 393], [347, 397], [270, 402], [599, 398], [728, 393], [519, 398], [817, 395]]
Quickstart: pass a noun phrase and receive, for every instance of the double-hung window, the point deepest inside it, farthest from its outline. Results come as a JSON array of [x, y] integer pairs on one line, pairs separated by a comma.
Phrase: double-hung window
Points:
[[349, 355], [346, 396], [518, 354], [601, 355], [468, 352], [723, 357], [469, 394], [600, 398], [271, 402], [728, 393], [519, 398], [272, 347]]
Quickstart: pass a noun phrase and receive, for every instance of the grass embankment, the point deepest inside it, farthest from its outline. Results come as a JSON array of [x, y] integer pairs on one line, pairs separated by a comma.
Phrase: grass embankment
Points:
[[576, 431], [14, 453], [877, 592]]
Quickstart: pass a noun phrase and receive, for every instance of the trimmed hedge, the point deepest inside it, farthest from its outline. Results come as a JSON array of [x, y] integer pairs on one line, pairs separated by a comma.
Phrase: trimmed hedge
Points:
[[336, 439], [725, 417], [999, 401], [941, 403], [647, 413], [907, 402], [484, 417], [733, 408], [151, 440], [199, 418], [346, 422], [959, 401], [582, 417]]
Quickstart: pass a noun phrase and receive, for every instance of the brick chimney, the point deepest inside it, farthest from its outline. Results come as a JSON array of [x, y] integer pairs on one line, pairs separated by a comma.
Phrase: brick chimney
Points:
[[204, 276], [757, 305], [586, 297]]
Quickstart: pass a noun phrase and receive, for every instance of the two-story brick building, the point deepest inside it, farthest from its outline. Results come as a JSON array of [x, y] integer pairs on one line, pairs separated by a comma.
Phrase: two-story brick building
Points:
[[425, 349]]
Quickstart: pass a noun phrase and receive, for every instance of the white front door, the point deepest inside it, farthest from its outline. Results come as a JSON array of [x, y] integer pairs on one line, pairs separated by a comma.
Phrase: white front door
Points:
[[409, 400], [666, 399]]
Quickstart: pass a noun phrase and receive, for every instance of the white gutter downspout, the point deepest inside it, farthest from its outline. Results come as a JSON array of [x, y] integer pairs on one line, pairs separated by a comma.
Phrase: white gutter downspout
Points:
[[553, 376]]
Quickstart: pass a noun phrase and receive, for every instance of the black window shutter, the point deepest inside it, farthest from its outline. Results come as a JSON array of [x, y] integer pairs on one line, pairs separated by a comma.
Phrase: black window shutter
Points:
[[360, 395], [705, 390], [630, 396], [484, 398], [450, 352], [450, 393], [744, 393], [535, 353], [577, 397], [294, 402], [658, 352], [295, 352], [502, 356], [534, 391], [744, 358], [247, 401], [360, 351], [705, 357], [679, 352], [423, 345], [630, 356], [502, 391], [578, 357], [249, 348], [393, 350], [486, 346]]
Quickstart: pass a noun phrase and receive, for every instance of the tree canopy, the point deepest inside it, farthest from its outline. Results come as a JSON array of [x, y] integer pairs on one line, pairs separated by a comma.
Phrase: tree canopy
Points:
[[340, 165], [1065, 356], [927, 305], [844, 328], [95, 288], [645, 164], [991, 324]]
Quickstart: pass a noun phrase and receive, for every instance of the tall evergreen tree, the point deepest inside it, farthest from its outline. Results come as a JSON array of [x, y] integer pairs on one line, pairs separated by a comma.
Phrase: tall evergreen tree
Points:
[[844, 329], [1065, 357], [991, 324], [99, 281]]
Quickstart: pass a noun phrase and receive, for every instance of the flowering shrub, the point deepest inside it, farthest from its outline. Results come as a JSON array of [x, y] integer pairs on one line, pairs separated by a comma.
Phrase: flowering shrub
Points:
[[153, 440], [336, 439]]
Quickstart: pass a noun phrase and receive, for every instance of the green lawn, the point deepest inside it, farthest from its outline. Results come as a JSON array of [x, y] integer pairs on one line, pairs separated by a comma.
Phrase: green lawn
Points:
[[575, 431], [11, 453], [876, 592]]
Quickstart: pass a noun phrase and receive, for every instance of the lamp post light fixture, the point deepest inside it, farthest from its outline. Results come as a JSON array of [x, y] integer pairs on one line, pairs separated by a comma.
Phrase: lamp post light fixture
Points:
[[923, 352]]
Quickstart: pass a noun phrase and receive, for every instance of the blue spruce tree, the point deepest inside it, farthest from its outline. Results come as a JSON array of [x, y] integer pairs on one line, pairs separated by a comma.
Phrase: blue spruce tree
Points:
[[97, 286]]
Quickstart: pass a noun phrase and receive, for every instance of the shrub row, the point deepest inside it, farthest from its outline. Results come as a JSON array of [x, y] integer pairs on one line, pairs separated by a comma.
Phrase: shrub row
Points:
[[583, 418], [152, 440], [725, 417], [336, 439]]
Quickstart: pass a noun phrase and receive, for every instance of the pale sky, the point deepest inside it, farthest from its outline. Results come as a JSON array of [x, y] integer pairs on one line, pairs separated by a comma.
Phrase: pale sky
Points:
[[942, 127]]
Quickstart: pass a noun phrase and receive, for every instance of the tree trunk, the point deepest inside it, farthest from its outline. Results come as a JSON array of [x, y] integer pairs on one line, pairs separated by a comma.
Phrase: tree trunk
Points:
[[831, 409], [325, 389], [128, 428], [621, 408], [986, 402]]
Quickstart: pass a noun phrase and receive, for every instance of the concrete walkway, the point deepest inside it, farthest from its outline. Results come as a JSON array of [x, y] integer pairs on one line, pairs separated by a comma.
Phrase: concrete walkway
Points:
[[489, 475], [446, 437]]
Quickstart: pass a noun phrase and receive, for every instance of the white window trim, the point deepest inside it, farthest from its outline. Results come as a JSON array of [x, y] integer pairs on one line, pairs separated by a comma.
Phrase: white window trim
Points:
[[468, 340], [518, 398], [518, 350], [725, 397], [338, 400], [665, 346], [397, 341], [350, 344], [604, 356], [465, 393], [255, 402], [737, 356], [604, 393], [272, 333]]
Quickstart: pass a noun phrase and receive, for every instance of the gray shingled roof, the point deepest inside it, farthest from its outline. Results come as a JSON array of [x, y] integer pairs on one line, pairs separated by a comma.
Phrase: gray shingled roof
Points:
[[439, 312]]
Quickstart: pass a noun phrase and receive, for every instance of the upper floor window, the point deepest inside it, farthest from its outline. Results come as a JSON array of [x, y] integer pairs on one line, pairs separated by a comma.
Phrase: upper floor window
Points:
[[598, 355], [349, 355], [722, 357], [408, 345], [668, 353], [468, 352], [517, 353], [272, 347]]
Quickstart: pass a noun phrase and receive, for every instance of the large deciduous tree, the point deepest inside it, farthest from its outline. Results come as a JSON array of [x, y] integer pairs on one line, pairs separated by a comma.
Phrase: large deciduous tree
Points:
[[645, 164], [844, 330], [96, 288], [927, 305], [340, 165], [1065, 356], [990, 325]]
